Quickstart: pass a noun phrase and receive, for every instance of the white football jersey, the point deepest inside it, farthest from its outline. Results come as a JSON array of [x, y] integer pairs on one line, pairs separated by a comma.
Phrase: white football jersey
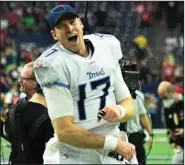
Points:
[[85, 85]]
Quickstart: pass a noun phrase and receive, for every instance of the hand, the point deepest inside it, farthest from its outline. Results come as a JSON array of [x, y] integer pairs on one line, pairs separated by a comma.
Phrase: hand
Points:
[[111, 113], [179, 131], [170, 134], [125, 149]]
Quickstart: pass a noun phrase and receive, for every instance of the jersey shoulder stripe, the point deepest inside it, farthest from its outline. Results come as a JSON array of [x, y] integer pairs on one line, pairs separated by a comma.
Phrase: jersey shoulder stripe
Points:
[[48, 66]]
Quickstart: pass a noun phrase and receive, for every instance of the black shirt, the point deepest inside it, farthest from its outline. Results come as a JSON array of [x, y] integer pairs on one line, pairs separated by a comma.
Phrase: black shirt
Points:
[[45, 131], [174, 118]]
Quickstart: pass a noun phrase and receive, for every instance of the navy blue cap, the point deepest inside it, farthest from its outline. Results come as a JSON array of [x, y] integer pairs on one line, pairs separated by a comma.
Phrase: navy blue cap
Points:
[[59, 11]]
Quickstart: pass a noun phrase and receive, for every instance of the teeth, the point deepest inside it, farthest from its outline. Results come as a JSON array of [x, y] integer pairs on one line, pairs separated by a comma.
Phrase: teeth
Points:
[[72, 35]]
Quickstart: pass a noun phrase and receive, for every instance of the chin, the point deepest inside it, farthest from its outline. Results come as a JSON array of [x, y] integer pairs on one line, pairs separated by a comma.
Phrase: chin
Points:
[[74, 50]]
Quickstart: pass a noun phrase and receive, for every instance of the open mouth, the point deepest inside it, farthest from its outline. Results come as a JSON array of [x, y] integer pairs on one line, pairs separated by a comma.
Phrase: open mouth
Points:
[[73, 38]]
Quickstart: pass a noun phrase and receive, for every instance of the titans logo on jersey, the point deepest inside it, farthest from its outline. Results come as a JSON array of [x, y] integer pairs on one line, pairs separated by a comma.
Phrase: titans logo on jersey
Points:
[[90, 81]]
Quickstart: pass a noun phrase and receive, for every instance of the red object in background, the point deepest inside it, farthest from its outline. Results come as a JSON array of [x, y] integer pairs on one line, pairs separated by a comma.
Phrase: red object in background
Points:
[[4, 37], [179, 89], [15, 99], [28, 57], [13, 17], [140, 8], [168, 72], [62, 2], [146, 17]]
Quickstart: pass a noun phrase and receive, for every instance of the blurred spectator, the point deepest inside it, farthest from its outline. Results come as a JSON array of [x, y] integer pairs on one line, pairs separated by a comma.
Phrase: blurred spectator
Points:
[[141, 44], [5, 82], [179, 79], [11, 56], [29, 19], [168, 67], [13, 73], [13, 96], [3, 36], [171, 14], [145, 10]]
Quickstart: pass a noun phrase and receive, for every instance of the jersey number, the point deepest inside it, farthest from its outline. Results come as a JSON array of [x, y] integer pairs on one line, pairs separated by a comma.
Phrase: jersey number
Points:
[[94, 85]]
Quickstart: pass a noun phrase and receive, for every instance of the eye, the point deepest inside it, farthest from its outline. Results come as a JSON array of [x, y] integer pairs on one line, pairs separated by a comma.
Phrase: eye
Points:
[[60, 26], [72, 21]]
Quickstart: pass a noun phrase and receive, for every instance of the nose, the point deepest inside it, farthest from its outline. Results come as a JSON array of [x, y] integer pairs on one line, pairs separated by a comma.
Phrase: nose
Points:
[[69, 27]]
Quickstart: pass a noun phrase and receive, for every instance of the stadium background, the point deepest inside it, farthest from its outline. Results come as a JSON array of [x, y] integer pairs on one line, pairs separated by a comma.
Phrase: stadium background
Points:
[[151, 34]]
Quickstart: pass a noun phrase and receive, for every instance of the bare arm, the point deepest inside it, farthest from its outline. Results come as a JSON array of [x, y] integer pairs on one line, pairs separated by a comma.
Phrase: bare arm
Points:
[[77, 136], [113, 112], [129, 109], [145, 121]]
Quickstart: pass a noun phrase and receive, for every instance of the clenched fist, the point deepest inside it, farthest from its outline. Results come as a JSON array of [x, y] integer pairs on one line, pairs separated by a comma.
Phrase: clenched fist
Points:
[[125, 149], [112, 113]]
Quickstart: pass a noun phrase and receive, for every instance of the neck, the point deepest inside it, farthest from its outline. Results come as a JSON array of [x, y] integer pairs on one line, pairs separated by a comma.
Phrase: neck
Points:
[[38, 98], [83, 51], [30, 94]]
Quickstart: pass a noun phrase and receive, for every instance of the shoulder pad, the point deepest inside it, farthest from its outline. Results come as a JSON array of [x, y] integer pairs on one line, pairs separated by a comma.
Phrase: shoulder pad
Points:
[[108, 39], [44, 67]]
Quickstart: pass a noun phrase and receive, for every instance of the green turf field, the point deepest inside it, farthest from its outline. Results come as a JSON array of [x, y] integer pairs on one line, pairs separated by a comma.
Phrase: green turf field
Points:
[[161, 152]]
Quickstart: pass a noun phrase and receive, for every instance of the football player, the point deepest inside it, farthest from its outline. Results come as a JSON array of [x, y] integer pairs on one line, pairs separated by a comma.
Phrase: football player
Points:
[[81, 79]]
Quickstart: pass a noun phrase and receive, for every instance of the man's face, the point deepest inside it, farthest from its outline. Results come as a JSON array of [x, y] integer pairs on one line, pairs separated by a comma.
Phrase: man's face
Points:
[[69, 32], [168, 100], [27, 83]]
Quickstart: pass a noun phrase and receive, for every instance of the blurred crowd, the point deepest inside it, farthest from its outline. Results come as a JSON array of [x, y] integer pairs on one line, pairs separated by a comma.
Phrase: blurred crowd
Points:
[[128, 21]]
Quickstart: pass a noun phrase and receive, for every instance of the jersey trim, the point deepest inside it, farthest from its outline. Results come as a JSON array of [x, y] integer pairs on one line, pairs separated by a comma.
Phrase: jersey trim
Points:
[[61, 84]]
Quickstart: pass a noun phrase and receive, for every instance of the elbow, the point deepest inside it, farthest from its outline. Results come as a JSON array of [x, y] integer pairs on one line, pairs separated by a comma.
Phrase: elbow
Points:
[[63, 128], [63, 135], [60, 136]]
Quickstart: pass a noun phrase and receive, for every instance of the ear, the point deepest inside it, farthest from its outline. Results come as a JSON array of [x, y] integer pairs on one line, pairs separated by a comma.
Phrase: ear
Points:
[[53, 33]]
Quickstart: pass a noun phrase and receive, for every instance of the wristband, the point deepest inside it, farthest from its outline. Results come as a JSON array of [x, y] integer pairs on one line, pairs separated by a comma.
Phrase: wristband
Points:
[[110, 143], [122, 110]]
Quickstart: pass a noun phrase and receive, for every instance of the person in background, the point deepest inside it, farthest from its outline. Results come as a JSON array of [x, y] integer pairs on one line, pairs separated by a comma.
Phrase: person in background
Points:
[[173, 104], [27, 81], [135, 127], [82, 81], [13, 95], [27, 85], [34, 138]]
